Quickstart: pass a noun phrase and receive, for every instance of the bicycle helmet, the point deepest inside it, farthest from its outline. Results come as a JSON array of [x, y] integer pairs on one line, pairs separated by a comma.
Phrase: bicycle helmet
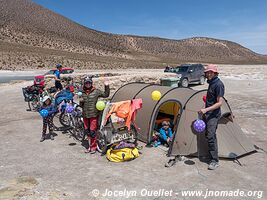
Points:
[[88, 79], [45, 98], [58, 66]]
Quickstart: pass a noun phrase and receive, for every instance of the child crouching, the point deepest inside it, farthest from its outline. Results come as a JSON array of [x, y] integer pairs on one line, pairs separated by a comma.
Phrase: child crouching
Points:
[[164, 136]]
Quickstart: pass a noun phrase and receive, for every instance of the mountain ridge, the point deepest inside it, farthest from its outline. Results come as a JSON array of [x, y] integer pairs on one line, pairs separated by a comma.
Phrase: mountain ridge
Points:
[[25, 24]]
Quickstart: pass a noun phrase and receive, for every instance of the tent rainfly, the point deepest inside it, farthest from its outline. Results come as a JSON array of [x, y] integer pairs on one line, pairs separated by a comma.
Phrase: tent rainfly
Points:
[[180, 106]]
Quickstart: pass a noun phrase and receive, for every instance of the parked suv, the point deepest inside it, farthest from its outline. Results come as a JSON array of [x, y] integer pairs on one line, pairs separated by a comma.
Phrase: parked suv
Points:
[[190, 73], [168, 69]]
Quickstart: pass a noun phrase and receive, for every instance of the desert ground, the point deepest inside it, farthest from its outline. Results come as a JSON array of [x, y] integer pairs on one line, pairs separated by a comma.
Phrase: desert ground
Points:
[[59, 169]]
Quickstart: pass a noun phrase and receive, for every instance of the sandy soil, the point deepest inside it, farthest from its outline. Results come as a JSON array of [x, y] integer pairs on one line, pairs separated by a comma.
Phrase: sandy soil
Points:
[[60, 170]]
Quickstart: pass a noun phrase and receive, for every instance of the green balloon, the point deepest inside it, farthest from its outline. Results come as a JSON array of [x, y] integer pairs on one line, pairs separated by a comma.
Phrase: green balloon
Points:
[[100, 105]]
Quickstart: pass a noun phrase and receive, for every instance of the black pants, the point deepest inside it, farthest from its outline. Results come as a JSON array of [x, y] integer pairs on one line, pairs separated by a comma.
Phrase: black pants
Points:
[[48, 121], [211, 127], [58, 85]]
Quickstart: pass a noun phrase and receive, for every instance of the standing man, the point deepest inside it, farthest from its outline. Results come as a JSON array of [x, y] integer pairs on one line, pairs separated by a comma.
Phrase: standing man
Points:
[[57, 73], [212, 112]]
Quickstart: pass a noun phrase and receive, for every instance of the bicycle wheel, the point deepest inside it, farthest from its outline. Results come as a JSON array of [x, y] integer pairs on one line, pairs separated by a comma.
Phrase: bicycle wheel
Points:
[[30, 106], [73, 126], [133, 133], [101, 142], [64, 119], [56, 123], [79, 128]]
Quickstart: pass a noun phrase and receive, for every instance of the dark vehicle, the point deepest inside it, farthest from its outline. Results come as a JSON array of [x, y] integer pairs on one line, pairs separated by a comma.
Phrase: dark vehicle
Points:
[[168, 69], [190, 73]]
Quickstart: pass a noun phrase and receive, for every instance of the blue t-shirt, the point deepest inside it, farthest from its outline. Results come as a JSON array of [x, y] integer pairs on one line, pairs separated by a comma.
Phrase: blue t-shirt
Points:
[[57, 74]]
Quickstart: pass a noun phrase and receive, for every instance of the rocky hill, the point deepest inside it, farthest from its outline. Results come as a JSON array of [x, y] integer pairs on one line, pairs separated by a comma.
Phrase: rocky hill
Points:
[[32, 36]]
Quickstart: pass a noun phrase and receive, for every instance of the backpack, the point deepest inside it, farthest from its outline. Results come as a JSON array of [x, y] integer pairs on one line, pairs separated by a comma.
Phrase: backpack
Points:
[[121, 155]]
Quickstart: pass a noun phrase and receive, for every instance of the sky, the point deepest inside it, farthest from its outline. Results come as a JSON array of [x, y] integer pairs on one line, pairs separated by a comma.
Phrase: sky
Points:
[[241, 21]]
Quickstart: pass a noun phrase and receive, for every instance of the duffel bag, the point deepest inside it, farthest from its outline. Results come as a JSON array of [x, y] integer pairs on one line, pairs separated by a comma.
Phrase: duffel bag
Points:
[[121, 155]]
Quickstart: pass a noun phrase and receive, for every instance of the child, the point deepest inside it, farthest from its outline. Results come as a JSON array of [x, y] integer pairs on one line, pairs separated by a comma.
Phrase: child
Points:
[[47, 105], [165, 134], [88, 102]]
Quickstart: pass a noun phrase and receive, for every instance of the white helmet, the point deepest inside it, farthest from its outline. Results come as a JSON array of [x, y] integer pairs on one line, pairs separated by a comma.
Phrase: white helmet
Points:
[[45, 98]]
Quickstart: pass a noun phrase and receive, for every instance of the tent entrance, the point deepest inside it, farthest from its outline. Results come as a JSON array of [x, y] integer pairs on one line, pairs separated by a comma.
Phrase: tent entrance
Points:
[[168, 111]]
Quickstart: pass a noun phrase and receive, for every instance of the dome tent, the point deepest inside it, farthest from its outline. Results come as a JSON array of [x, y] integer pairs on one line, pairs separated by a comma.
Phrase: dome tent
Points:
[[232, 142]]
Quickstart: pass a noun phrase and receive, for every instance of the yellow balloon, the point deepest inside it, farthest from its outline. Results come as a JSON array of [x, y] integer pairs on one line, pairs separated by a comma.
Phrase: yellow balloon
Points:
[[156, 95], [100, 105]]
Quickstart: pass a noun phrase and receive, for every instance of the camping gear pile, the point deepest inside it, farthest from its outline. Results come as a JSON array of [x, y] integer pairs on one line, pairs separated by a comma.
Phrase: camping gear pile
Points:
[[118, 125]]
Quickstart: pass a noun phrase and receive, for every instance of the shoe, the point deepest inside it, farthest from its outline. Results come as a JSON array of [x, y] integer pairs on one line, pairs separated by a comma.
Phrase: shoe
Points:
[[139, 148], [93, 151], [156, 144], [42, 138], [51, 136], [170, 163], [213, 165], [87, 150], [149, 145]]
